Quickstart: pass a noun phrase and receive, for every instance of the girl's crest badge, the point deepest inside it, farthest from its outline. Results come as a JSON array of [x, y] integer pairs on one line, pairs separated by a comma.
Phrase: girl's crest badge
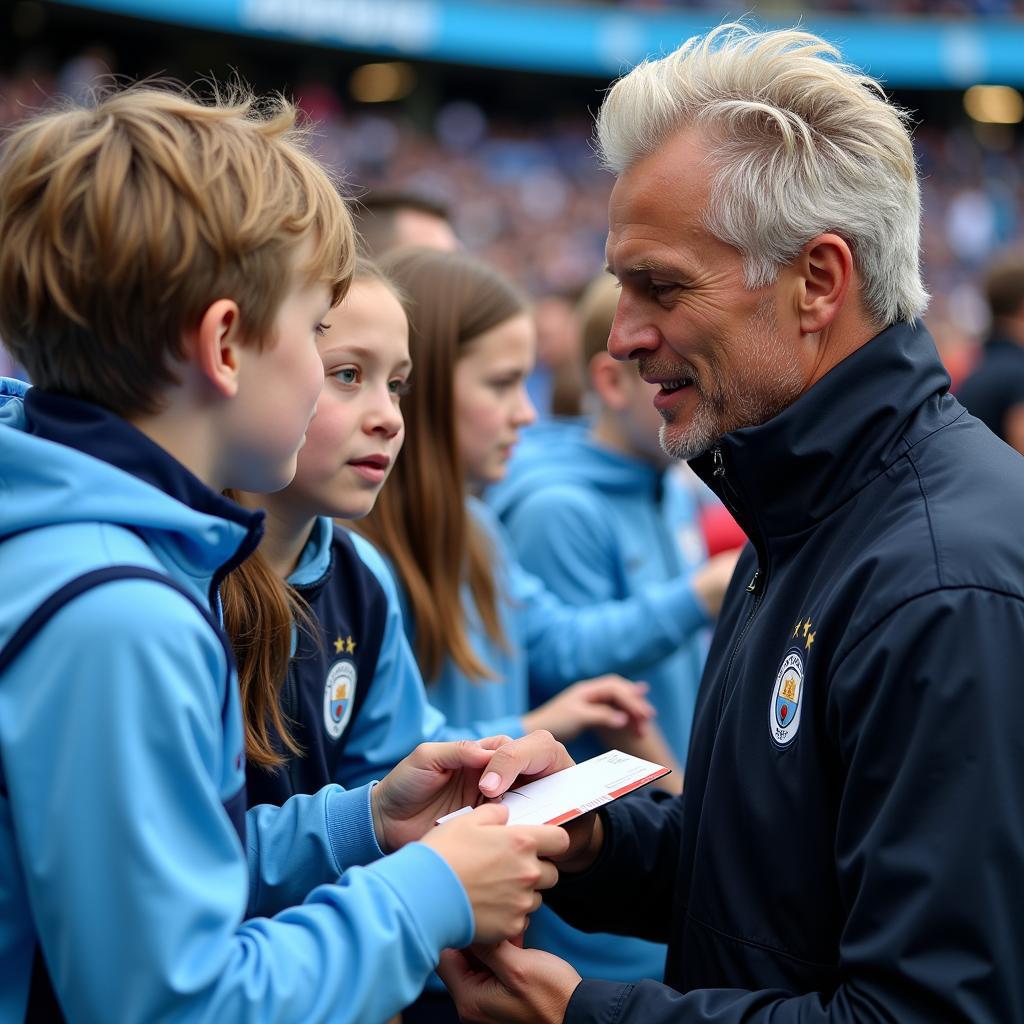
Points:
[[339, 697]]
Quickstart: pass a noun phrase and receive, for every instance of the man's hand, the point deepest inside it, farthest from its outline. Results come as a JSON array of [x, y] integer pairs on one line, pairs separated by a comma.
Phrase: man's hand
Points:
[[608, 701], [500, 867], [586, 837], [437, 778], [508, 985]]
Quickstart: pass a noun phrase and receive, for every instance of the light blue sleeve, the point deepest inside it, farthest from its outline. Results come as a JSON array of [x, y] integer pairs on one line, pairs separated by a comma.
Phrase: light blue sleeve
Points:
[[505, 725], [308, 840], [115, 761], [559, 534], [566, 643]]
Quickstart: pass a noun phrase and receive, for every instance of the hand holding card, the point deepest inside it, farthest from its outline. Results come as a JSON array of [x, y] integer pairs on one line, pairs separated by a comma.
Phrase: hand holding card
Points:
[[568, 794]]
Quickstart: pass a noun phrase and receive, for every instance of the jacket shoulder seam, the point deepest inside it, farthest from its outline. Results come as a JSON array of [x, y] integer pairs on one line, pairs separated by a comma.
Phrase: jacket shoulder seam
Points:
[[928, 515], [920, 595]]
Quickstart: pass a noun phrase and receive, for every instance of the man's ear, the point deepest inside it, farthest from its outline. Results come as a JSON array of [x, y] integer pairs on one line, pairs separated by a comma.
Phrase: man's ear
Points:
[[607, 379], [215, 344], [824, 273]]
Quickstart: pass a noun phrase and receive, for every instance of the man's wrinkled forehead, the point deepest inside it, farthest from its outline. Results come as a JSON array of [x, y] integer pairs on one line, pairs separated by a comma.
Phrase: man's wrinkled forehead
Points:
[[659, 203]]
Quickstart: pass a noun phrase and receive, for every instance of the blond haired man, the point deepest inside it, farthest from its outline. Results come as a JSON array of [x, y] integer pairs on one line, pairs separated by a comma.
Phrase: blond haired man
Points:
[[850, 842]]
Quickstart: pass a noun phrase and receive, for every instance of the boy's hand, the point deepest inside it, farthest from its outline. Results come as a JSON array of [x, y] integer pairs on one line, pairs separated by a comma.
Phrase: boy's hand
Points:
[[500, 867], [437, 778], [508, 985], [609, 702]]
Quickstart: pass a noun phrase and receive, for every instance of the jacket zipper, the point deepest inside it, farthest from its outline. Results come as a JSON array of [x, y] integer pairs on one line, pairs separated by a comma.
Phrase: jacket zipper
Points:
[[756, 586]]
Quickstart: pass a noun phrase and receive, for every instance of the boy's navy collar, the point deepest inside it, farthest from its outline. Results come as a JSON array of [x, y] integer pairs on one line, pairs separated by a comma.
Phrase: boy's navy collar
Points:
[[97, 432], [792, 471]]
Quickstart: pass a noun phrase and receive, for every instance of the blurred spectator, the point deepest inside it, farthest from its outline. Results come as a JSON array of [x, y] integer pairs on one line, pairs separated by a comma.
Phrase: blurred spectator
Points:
[[994, 392], [402, 220], [556, 384]]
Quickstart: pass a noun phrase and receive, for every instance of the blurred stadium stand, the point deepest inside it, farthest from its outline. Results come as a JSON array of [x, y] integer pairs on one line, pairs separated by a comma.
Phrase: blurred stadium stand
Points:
[[484, 105]]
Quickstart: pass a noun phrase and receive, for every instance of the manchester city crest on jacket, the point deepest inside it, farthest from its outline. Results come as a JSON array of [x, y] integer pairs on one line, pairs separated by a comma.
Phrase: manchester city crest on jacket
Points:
[[339, 696], [787, 697]]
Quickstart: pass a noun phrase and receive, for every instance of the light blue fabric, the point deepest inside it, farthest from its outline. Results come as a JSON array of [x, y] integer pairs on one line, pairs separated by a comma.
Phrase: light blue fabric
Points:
[[116, 852], [598, 525], [549, 643]]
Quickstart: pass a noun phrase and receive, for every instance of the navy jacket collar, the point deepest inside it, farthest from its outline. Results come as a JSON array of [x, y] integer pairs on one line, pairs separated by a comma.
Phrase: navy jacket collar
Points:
[[95, 431], [789, 473]]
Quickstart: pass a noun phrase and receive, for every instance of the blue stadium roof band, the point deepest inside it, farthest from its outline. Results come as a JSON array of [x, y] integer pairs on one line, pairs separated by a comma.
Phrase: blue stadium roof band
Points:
[[594, 41]]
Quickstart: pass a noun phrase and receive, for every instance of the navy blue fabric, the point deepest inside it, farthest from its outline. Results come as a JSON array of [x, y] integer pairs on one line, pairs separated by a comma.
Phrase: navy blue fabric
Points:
[[860, 866], [96, 431], [353, 606]]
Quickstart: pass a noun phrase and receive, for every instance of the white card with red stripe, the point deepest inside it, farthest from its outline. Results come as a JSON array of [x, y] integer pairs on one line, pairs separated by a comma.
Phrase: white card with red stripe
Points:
[[574, 791]]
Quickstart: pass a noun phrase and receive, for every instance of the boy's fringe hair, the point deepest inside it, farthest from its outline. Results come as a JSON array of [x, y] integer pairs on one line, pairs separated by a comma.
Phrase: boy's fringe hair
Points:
[[122, 222]]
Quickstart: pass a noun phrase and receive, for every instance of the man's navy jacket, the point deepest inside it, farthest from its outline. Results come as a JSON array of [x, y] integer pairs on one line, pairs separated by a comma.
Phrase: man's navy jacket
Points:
[[850, 845]]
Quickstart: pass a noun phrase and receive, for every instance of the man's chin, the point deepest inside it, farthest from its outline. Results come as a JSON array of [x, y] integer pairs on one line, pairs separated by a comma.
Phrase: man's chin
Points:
[[683, 445]]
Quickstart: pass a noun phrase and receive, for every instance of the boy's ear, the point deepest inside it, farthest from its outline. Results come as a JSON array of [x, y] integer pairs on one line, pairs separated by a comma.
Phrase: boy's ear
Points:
[[824, 272], [607, 380], [215, 346]]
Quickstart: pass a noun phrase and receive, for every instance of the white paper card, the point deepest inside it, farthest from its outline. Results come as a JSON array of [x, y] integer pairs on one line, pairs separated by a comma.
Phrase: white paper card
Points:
[[567, 794]]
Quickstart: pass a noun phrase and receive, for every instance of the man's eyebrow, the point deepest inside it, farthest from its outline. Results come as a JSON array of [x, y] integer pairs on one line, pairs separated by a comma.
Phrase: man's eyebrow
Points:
[[648, 265]]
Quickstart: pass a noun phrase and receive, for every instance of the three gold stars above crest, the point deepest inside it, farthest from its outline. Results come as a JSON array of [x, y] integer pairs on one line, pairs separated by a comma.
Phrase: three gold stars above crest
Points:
[[805, 628], [346, 646]]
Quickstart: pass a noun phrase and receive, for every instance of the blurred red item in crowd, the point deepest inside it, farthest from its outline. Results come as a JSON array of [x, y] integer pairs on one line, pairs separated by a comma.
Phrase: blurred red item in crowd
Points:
[[721, 531]]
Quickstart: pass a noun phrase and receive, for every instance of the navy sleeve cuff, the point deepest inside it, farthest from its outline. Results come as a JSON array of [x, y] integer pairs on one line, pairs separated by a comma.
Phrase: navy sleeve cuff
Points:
[[597, 1002]]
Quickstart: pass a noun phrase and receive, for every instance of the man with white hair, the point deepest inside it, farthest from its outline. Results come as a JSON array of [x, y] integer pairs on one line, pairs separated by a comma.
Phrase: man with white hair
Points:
[[850, 843]]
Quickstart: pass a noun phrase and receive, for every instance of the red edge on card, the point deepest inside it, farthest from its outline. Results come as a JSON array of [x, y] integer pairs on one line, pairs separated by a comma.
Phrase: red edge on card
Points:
[[567, 816], [615, 793]]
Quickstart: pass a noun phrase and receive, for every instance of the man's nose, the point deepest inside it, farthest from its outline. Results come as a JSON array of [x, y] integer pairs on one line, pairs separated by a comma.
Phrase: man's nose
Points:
[[630, 337]]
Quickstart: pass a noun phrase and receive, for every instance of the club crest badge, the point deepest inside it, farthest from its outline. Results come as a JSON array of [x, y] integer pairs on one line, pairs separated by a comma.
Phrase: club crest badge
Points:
[[787, 696], [784, 713], [339, 697]]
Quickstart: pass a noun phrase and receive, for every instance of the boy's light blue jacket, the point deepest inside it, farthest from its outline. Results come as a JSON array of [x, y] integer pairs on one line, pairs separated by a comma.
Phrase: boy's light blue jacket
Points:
[[120, 744], [597, 525]]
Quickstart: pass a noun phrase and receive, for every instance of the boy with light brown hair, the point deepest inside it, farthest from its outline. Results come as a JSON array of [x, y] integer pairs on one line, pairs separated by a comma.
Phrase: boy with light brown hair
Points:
[[165, 266]]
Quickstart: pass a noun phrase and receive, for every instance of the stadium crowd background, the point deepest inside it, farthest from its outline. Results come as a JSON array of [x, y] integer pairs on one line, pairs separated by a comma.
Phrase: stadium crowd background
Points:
[[509, 154]]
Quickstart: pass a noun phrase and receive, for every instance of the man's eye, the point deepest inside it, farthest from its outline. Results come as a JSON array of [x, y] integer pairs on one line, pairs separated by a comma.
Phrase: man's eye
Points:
[[661, 291], [347, 375]]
